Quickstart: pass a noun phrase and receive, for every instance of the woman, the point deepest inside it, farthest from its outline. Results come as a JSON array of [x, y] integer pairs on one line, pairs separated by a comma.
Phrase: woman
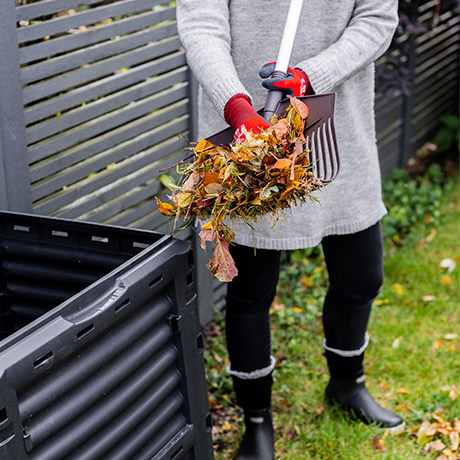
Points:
[[227, 42]]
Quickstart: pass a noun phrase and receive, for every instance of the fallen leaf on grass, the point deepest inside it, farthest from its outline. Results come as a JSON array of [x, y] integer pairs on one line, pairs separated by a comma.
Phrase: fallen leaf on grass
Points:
[[432, 234], [450, 336], [292, 434], [454, 440], [306, 281], [446, 280], [396, 342], [398, 288], [381, 302], [450, 264], [402, 407], [297, 309], [422, 436], [433, 446], [453, 393], [320, 410], [428, 298], [378, 443], [403, 390]]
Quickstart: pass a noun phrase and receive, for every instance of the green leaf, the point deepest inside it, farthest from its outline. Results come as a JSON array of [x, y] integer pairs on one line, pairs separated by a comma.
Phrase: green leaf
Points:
[[451, 121], [168, 181], [444, 139], [269, 191]]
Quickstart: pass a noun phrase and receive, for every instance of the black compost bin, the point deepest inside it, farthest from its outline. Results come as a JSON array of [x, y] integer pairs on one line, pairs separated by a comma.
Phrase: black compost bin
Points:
[[100, 347]]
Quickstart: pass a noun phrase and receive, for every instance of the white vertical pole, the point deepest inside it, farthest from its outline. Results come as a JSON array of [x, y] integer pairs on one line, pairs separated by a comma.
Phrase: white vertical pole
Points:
[[290, 29]]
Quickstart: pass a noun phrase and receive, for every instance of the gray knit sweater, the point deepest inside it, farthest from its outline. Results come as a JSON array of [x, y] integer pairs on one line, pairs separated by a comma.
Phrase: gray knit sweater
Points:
[[337, 42]]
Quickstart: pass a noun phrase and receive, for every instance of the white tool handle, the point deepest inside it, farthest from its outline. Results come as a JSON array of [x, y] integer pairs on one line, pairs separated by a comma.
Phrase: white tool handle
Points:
[[290, 29], [284, 55]]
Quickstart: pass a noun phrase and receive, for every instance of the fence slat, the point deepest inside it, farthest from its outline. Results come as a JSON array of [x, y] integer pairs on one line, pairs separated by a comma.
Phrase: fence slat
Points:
[[101, 69], [107, 104], [441, 41], [14, 174], [103, 87], [53, 203], [79, 39], [78, 172], [129, 173], [444, 56], [113, 199], [70, 61], [48, 7], [93, 16], [107, 122], [135, 130], [138, 129]]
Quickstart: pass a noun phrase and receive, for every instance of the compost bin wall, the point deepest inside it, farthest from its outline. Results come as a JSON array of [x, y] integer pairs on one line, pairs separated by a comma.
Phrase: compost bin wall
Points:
[[101, 356]]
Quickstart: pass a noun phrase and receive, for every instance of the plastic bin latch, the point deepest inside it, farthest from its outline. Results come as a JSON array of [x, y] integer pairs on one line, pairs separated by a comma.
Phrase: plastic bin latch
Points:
[[175, 323]]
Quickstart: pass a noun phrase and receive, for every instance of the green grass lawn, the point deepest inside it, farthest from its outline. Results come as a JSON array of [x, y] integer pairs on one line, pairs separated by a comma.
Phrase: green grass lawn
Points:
[[412, 362]]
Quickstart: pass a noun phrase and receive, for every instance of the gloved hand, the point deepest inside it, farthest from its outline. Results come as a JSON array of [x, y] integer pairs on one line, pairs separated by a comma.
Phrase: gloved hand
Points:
[[239, 113], [296, 83]]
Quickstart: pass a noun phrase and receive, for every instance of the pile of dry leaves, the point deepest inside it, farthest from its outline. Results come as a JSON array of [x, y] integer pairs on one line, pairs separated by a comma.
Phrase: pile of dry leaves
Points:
[[266, 174]]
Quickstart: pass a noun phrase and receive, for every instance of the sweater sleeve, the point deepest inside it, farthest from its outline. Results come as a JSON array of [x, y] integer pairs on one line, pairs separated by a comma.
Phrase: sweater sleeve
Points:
[[204, 30], [366, 38]]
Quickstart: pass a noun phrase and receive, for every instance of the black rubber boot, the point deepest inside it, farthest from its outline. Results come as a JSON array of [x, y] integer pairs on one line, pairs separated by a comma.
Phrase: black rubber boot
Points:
[[258, 439], [352, 395]]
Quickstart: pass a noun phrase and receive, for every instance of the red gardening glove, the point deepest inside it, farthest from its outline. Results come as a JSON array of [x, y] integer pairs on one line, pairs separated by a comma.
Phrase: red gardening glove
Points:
[[296, 83], [239, 113]]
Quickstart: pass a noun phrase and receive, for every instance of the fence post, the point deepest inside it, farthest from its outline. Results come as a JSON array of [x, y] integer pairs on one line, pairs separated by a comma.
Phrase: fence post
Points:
[[407, 148], [15, 194], [204, 280]]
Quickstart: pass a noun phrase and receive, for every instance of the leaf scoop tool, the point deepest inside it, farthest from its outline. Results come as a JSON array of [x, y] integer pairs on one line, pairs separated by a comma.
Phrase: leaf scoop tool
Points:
[[319, 132]]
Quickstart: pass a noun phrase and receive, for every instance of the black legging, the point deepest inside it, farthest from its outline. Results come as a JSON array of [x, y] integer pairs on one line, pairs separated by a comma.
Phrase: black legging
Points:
[[355, 266]]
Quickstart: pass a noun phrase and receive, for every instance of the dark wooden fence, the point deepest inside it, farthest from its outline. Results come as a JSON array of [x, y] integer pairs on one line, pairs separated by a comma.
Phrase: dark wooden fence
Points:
[[94, 94]]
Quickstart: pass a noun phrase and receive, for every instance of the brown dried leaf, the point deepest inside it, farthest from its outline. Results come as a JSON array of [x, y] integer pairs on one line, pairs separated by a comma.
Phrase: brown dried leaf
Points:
[[205, 235], [437, 445], [454, 440], [224, 263], [210, 177], [191, 182], [282, 163], [280, 128], [378, 443], [299, 107], [292, 434], [214, 188]]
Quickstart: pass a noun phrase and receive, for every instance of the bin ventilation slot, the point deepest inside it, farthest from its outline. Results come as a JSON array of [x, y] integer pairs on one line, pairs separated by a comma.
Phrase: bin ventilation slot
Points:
[[200, 343], [190, 259], [157, 280], [176, 454], [59, 233], [84, 331], [140, 245], [100, 239], [209, 422], [189, 279], [43, 359], [3, 416], [124, 304], [21, 228]]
